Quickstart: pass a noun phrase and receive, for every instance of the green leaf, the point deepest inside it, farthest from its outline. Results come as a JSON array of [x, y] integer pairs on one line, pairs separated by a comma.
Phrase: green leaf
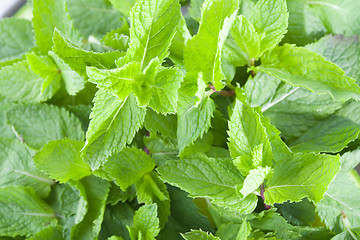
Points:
[[113, 124], [305, 175], [298, 213], [195, 9], [116, 218], [248, 143], [194, 122], [217, 179], [45, 67], [333, 133], [22, 212], [128, 166], [255, 178], [78, 59], [118, 39], [165, 90], [216, 19], [270, 19], [350, 234], [231, 230], [146, 223], [60, 159], [118, 81], [48, 16], [41, 123], [304, 24], [95, 17], [247, 39], [17, 168], [124, 6], [341, 199], [70, 205], [151, 189], [20, 84], [303, 68], [73, 81], [199, 235], [339, 17], [153, 25], [95, 192], [16, 38], [165, 125], [48, 234]]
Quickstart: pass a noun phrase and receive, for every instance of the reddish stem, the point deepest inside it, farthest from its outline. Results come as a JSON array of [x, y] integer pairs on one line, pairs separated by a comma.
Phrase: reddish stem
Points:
[[262, 190]]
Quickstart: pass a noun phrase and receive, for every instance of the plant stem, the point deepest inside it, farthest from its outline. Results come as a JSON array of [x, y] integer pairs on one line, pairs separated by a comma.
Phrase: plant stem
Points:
[[262, 190]]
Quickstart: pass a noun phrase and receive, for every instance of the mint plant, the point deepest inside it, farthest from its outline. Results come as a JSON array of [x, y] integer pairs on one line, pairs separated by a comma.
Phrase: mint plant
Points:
[[160, 119]]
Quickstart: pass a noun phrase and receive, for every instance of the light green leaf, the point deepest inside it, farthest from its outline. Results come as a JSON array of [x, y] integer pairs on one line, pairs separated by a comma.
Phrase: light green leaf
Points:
[[194, 122], [339, 17], [73, 81], [95, 191], [146, 223], [248, 143], [199, 235], [118, 81], [151, 189], [349, 234], [246, 37], [22, 212], [303, 68], [113, 124], [124, 6], [45, 67], [20, 84], [255, 178], [341, 199], [195, 9], [60, 159], [95, 17], [17, 168], [153, 25], [178, 43], [48, 16], [350, 160], [165, 90], [270, 19], [48, 234], [333, 133], [118, 39], [305, 175], [165, 125], [16, 38], [305, 26], [78, 59], [40, 123], [128, 166], [207, 177], [231, 231], [69, 205], [216, 19]]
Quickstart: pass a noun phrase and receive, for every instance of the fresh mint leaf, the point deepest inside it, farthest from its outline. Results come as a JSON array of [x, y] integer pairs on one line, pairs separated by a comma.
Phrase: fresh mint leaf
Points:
[[19, 83], [22, 212], [146, 223], [254, 179], [95, 17], [165, 125], [78, 59], [113, 124], [128, 166], [247, 39], [18, 168], [248, 143], [304, 68], [118, 39], [48, 233], [95, 191], [270, 20], [298, 213], [194, 122], [61, 160], [199, 235], [124, 6], [48, 16], [16, 38], [216, 20], [207, 177], [233, 230], [38, 124], [153, 25], [305, 175]]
